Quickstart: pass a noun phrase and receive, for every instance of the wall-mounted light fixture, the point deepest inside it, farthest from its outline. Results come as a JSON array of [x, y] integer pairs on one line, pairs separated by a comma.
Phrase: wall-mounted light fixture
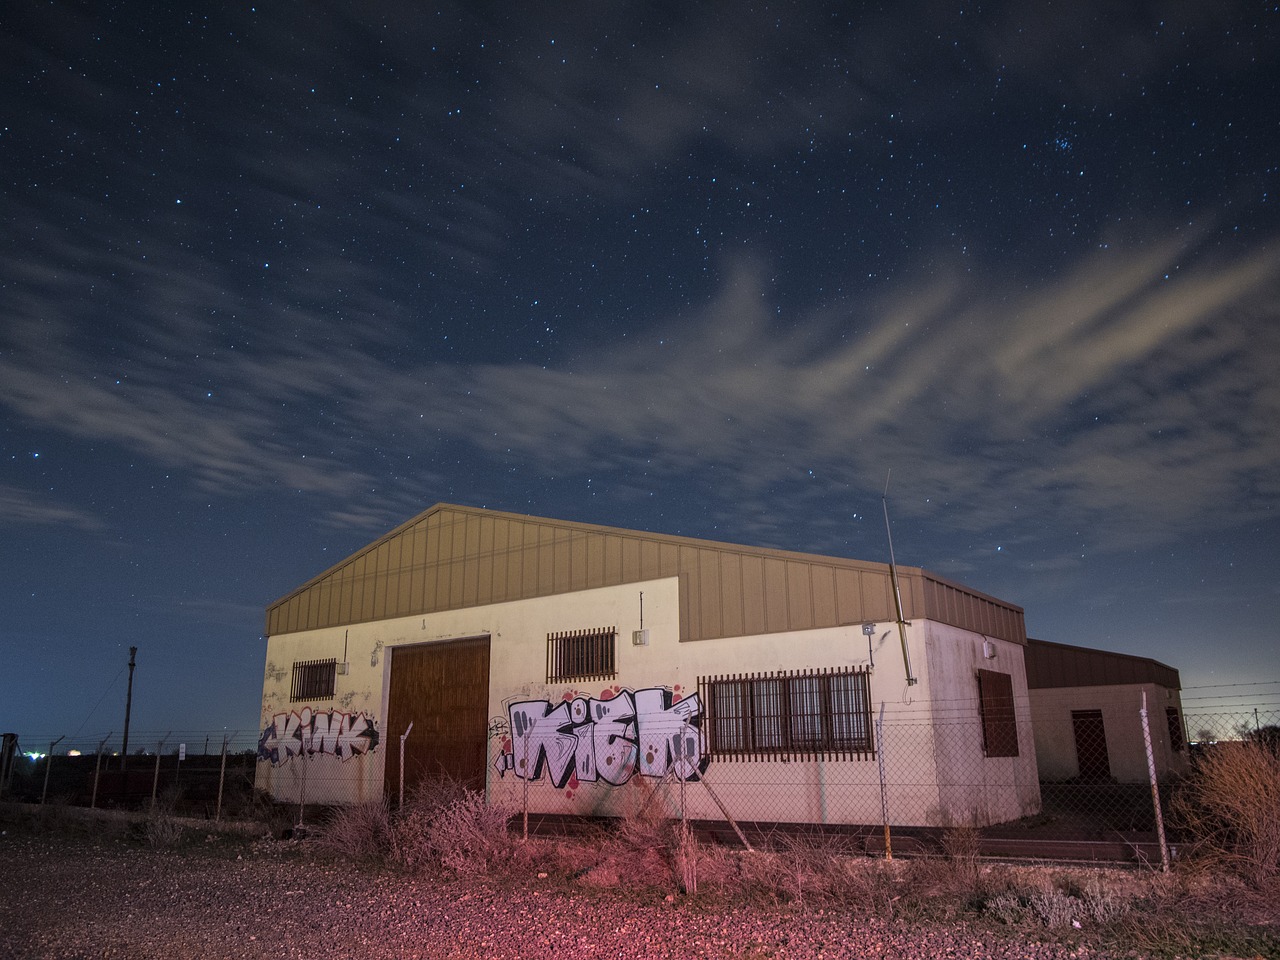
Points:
[[344, 666], [640, 638]]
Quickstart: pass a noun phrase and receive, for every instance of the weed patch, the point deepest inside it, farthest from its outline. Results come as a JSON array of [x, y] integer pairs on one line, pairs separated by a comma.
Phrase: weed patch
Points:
[[1230, 806]]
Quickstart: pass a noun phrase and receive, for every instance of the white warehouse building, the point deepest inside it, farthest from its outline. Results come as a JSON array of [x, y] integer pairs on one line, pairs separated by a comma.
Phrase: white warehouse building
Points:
[[560, 665]]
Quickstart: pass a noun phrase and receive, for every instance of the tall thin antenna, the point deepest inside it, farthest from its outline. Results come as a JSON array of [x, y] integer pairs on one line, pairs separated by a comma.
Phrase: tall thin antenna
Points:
[[893, 576], [128, 708]]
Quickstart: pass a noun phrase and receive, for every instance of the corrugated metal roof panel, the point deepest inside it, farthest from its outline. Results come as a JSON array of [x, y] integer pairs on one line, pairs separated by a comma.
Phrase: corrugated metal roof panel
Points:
[[451, 557], [1052, 665]]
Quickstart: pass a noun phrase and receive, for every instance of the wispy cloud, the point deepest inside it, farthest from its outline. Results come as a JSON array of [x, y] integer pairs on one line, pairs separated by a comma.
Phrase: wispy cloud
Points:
[[19, 506], [1114, 398]]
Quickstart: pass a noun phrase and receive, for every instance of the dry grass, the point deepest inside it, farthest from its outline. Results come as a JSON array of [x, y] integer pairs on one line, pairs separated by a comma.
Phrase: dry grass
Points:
[[443, 823], [1230, 806], [358, 832], [470, 835], [162, 828]]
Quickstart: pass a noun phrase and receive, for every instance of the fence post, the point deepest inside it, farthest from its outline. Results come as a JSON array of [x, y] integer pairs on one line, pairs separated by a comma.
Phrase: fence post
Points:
[[48, 762], [884, 796], [524, 781], [155, 777], [403, 737], [1155, 787], [8, 753], [305, 758], [222, 778], [97, 766]]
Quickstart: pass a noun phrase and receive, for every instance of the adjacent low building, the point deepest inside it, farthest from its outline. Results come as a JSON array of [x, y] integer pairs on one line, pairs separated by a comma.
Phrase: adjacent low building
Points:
[[572, 668], [1086, 711]]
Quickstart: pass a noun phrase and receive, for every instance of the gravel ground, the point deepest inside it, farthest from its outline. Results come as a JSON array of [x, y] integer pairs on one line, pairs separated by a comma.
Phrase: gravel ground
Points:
[[79, 899]]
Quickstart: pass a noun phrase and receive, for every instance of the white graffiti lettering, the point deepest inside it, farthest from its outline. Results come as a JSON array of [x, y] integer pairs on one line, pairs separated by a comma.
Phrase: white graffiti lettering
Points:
[[608, 739], [343, 735]]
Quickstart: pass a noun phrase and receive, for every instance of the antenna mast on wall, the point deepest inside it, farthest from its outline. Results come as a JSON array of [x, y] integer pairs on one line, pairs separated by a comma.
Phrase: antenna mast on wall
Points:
[[128, 708], [897, 592]]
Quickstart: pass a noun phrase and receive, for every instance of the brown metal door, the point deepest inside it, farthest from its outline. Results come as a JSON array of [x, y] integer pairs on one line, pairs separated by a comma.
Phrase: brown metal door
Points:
[[1091, 745], [443, 690]]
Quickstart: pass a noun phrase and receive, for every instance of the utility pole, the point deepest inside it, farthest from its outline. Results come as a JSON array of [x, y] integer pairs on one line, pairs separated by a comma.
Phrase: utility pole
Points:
[[128, 706]]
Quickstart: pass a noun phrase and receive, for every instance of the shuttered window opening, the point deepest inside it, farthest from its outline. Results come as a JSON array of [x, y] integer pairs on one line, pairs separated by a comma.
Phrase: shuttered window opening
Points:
[[582, 655], [1177, 740], [313, 680], [999, 722], [780, 715]]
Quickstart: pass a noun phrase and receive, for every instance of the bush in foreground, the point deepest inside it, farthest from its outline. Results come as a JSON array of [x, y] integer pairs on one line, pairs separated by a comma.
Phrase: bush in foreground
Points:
[[1230, 806], [358, 832]]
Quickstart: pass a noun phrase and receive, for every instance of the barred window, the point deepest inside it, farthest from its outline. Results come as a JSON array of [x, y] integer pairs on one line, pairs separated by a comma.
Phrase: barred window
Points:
[[803, 713], [1177, 740], [999, 722], [313, 680], [582, 655]]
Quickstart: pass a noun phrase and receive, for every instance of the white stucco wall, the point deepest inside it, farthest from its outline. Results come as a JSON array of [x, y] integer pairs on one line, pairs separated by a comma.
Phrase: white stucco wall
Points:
[[1121, 706], [976, 788], [934, 769]]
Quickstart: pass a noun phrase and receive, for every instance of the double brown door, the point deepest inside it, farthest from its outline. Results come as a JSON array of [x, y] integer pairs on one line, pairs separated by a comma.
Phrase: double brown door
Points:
[[443, 690]]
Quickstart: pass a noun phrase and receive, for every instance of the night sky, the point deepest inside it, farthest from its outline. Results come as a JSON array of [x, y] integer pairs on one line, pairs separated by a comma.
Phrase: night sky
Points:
[[275, 279]]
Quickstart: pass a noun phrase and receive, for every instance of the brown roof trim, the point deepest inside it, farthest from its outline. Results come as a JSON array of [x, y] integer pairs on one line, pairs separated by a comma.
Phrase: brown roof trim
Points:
[[1051, 664]]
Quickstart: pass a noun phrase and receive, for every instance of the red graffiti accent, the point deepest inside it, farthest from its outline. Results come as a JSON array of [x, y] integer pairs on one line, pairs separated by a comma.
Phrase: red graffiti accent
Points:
[[506, 744], [607, 694]]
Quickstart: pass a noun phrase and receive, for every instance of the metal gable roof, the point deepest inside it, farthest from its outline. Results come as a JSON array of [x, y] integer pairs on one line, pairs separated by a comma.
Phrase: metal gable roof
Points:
[[452, 557]]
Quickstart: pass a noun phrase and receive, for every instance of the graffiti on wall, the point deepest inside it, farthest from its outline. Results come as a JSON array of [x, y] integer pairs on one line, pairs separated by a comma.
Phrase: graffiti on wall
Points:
[[338, 734], [608, 738]]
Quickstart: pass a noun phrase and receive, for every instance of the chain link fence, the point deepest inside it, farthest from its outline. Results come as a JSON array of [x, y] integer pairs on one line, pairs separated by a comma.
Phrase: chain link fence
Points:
[[1092, 782], [197, 774]]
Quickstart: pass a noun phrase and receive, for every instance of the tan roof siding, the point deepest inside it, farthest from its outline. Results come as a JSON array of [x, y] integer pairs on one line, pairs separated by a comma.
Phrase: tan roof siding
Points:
[[799, 596], [451, 557]]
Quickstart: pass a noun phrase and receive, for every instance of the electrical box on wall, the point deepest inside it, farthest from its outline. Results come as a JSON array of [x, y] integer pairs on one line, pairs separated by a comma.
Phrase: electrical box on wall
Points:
[[640, 638], [342, 669], [988, 650]]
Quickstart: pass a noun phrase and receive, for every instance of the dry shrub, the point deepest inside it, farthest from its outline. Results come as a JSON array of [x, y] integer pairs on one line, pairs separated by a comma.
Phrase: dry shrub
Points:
[[961, 846], [470, 835], [762, 875], [447, 824], [716, 869], [639, 852], [1101, 904], [949, 885], [807, 861], [686, 855], [162, 828], [1007, 907], [361, 831], [1193, 919], [410, 838], [1055, 908], [813, 868], [1230, 806]]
